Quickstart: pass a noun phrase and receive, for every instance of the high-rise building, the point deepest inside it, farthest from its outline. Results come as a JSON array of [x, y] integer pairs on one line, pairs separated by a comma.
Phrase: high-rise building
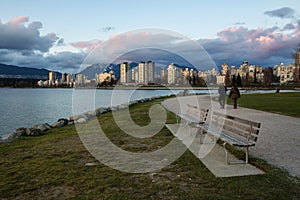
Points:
[[69, 79], [150, 75], [124, 72], [134, 75], [80, 80], [141, 72], [172, 74], [224, 69], [164, 76], [51, 76], [146, 72], [63, 77]]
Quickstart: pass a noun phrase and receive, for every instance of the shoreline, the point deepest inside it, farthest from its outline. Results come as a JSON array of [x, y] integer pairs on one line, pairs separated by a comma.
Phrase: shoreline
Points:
[[40, 129]]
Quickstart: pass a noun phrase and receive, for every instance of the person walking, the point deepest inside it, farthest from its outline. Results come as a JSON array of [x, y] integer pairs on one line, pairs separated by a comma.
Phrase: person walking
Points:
[[234, 94], [222, 95]]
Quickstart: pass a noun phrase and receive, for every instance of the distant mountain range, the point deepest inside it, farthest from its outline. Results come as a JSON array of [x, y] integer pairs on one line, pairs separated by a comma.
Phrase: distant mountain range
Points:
[[94, 69], [11, 71]]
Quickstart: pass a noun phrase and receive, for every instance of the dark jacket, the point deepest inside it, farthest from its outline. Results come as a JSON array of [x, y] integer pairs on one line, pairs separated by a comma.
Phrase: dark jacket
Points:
[[234, 93]]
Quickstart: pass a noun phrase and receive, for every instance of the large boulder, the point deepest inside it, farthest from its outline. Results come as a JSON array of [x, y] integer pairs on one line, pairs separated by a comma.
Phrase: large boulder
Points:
[[21, 131], [80, 121], [58, 124], [66, 121], [133, 102], [123, 106], [33, 132], [76, 117], [9, 137], [90, 114], [101, 110], [42, 127]]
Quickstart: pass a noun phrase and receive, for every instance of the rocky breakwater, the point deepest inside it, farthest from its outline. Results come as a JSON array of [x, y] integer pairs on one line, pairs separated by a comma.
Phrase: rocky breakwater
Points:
[[41, 129]]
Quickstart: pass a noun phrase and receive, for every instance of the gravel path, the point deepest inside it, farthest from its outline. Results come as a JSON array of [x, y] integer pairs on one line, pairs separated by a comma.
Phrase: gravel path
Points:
[[279, 137]]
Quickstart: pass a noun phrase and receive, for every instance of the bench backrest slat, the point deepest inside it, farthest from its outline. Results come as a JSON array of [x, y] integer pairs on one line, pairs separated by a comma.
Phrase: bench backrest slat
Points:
[[244, 121], [236, 126], [196, 113]]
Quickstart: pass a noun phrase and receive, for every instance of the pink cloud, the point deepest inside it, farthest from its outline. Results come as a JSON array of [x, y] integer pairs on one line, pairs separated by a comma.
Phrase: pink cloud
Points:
[[88, 45], [19, 20], [261, 46]]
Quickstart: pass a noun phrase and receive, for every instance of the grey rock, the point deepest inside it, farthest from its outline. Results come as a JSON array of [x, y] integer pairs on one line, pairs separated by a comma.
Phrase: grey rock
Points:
[[90, 114], [58, 124], [5, 138], [76, 117], [123, 106], [33, 132], [21, 131], [114, 108], [42, 127], [80, 121], [133, 102], [101, 110], [16, 134], [66, 121], [9, 137]]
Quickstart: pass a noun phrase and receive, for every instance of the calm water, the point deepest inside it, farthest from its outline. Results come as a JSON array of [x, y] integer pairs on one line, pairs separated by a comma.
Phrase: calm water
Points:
[[27, 107]]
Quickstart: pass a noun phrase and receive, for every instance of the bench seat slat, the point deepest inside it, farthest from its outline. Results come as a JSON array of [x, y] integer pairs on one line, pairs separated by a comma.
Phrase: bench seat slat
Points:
[[190, 119]]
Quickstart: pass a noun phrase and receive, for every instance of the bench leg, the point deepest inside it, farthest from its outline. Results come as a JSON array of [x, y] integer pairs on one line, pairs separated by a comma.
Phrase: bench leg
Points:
[[206, 135], [177, 119], [241, 162], [247, 153]]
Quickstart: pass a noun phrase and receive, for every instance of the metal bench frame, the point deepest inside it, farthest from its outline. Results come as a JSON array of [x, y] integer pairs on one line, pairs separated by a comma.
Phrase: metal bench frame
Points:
[[234, 131]]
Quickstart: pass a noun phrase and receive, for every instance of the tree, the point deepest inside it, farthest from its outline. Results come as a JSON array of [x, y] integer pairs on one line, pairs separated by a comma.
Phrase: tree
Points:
[[227, 78], [233, 79], [296, 56], [239, 80]]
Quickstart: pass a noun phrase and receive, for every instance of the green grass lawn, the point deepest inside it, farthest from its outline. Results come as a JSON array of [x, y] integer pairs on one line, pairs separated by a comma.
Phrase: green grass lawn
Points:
[[52, 166], [281, 103]]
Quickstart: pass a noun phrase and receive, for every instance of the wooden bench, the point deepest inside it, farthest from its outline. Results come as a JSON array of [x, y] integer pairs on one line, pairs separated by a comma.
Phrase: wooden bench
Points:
[[234, 131], [194, 115]]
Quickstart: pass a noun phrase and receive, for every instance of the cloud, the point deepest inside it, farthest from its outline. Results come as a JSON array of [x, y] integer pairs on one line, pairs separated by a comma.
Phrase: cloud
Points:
[[240, 23], [62, 61], [151, 44], [86, 45], [265, 47], [284, 12], [289, 26], [108, 29], [19, 20], [15, 35], [22, 44]]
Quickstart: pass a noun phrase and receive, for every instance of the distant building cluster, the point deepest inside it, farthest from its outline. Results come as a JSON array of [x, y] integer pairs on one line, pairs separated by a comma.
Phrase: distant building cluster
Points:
[[145, 74], [66, 80], [248, 75], [105, 78]]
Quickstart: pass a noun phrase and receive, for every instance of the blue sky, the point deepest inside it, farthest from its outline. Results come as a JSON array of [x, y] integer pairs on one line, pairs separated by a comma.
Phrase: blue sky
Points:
[[68, 30]]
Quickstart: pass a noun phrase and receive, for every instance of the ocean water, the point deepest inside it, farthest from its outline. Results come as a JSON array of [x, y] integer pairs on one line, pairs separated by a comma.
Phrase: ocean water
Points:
[[28, 107]]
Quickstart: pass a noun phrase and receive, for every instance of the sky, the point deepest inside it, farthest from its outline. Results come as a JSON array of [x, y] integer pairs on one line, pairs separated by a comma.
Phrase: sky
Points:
[[60, 35]]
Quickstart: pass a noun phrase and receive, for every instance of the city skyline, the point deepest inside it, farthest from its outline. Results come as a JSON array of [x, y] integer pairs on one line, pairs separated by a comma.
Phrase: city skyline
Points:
[[146, 74], [60, 36]]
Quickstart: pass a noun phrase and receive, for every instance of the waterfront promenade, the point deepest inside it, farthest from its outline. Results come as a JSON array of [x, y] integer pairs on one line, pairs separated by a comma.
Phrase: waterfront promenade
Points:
[[279, 137]]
